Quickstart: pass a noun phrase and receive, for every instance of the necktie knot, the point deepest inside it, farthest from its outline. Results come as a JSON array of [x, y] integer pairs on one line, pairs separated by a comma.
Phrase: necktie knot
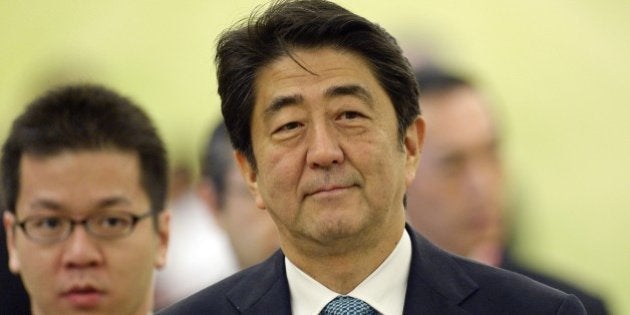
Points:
[[347, 305]]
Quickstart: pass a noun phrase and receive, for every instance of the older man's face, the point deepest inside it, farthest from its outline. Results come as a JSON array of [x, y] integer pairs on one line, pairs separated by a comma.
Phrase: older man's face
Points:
[[330, 163]]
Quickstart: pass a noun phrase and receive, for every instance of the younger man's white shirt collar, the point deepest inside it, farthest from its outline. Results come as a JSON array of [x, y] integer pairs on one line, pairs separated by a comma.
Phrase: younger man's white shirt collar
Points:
[[384, 289]]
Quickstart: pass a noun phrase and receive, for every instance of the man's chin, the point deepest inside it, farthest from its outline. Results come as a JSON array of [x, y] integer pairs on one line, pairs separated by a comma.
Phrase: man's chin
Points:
[[333, 231]]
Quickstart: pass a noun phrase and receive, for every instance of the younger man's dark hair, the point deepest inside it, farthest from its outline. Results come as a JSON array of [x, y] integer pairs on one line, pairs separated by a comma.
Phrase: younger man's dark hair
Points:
[[85, 117]]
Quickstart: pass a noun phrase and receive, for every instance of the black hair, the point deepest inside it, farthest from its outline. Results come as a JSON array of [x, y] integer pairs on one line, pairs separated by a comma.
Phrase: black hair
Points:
[[85, 117], [286, 25]]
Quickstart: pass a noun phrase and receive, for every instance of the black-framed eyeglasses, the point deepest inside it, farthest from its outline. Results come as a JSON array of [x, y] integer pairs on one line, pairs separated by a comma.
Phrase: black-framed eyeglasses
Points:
[[49, 229]]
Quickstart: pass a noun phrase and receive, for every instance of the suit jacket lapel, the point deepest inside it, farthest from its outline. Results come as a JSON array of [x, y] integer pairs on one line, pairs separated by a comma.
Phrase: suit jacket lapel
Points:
[[265, 290], [436, 284]]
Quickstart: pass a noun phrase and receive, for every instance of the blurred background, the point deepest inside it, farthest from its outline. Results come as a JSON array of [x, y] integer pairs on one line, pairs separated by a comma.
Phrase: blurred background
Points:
[[557, 72]]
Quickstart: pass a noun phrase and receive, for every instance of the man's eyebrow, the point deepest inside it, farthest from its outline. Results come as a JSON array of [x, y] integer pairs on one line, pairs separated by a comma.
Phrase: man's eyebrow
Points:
[[335, 91], [350, 90], [46, 204], [56, 206], [113, 201], [281, 102]]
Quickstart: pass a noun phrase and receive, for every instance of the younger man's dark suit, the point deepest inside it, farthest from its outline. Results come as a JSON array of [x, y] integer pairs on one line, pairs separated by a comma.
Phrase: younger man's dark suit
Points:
[[439, 283]]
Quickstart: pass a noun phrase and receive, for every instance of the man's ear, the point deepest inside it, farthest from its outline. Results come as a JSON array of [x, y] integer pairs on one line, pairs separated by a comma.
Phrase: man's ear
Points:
[[414, 139], [250, 176], [163, 237], [14, 261]]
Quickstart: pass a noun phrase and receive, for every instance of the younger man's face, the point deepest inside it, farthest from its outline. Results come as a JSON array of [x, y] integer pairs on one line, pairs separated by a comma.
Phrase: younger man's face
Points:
[[84, 273]]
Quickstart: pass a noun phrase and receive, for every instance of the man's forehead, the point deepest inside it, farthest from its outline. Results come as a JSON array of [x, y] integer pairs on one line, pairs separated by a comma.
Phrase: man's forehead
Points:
[[73, 152], [319, 70], [302, 62], [105, 174]]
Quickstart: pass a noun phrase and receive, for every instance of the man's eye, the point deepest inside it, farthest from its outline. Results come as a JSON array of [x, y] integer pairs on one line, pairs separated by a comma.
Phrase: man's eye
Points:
[[114, 221], [290, 126], [350, 115], [50, 223], [111, 222]]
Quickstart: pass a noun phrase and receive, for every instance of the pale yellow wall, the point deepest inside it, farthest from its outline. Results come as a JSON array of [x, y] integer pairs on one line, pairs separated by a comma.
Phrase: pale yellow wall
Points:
[[558, 71]]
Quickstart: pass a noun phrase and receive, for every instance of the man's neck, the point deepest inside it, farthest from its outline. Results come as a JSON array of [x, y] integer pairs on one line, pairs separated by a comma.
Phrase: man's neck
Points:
[[489, 253], [343, 270]]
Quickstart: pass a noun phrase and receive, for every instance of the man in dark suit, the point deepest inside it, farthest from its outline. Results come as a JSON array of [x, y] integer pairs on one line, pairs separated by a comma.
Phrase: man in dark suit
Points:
[[322, 110], [457, 201]]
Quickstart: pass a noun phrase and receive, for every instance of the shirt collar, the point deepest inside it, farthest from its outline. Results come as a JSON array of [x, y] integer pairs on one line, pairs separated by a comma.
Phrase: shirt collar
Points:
[[384, 289]]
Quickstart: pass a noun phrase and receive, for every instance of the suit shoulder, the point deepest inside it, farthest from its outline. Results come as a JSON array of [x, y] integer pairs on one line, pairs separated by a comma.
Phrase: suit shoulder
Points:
[[516, 291], [593, 303], [230, 294], [210, 300]]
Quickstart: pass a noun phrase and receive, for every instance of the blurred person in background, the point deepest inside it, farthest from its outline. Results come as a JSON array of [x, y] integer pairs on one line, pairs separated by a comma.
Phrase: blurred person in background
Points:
[[199, 253], [251, 231], [84, 176], [458, 200]]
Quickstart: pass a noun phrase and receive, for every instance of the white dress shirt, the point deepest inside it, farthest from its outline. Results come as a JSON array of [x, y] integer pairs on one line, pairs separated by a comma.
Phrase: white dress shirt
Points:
[[384, 289]]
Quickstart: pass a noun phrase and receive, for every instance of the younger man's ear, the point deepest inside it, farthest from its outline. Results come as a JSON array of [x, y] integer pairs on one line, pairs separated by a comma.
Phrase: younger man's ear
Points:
[[8, 220], [164, 234]]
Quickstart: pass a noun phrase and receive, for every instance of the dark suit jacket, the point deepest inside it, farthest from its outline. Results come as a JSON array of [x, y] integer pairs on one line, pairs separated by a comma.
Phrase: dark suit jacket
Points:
[[439, 283], [13, 297], [594, 305]]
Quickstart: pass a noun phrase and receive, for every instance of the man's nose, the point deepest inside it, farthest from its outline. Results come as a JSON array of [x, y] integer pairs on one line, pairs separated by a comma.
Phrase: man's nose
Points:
[[81, 249], [323, 147]]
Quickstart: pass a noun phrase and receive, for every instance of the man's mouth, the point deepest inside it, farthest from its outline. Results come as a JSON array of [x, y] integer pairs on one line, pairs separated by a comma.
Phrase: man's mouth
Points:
[[83, 296], [330, 190]]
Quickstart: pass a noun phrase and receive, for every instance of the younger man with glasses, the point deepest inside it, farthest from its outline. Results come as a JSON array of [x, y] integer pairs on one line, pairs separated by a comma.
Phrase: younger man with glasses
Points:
[[84, 177]]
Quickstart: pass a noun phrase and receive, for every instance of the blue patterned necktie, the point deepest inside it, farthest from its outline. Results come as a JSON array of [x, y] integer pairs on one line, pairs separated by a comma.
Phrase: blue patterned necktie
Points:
[[347, 305]]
